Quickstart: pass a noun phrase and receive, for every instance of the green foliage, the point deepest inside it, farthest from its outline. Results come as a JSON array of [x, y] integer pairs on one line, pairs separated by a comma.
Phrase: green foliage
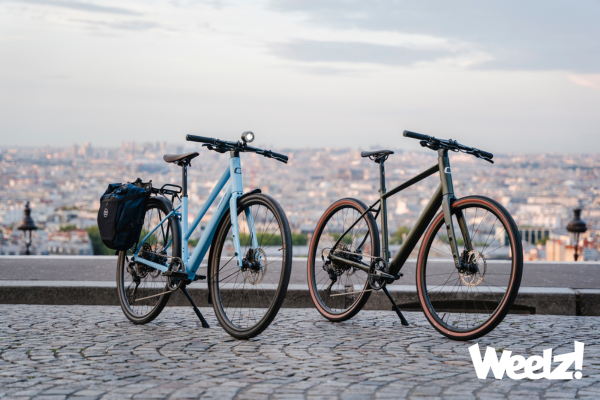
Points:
[[66, 228], [193, 242], [459, 241], [99, 248], [264, 239], [543, 240], [346, 239], [397, 238], [299, 239]]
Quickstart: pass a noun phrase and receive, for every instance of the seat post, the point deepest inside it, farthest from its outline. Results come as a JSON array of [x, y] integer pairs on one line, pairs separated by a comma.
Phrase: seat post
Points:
[[184, 212], [184, 179], [384, 227]]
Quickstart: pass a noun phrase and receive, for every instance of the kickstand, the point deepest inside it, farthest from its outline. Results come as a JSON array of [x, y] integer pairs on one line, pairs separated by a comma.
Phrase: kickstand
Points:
[[395, 306], [198, 313]]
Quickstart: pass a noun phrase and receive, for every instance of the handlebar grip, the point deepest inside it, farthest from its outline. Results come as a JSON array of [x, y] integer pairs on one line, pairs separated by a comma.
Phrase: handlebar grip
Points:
[[415, 135], [283, 157], [486, 154], [201, 139]]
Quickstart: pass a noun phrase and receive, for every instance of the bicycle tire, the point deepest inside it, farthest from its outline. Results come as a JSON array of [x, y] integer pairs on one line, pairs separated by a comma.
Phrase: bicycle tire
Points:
[[243, 297], [483, 288], [158, 285], [334, 309]]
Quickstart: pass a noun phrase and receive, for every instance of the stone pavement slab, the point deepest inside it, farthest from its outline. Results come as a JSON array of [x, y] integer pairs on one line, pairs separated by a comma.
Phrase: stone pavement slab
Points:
[[90, 352]]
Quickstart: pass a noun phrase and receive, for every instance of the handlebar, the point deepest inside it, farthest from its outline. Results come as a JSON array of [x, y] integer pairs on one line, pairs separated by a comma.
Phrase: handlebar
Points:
[[222, 146], [201, 139], [453, 145], [415, 135]]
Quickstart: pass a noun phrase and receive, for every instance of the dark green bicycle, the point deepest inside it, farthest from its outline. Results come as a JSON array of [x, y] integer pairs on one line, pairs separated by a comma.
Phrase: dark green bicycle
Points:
[[469, 265]]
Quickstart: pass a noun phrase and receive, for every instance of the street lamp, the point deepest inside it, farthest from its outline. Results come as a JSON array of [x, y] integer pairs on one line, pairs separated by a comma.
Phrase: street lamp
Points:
[[28, 226], [576, 227]]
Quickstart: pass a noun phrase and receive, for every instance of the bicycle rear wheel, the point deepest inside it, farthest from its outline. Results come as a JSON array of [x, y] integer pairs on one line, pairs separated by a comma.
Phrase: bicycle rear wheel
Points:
[[467, 304], [339, 292], [139, 286], [246, 299]]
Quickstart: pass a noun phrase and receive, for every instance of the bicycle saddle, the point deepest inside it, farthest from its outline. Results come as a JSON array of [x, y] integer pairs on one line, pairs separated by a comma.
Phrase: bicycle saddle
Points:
[[180, 159], [377, 154]]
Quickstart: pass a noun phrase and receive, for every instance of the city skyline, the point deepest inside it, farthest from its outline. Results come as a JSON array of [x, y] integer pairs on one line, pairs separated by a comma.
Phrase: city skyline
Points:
[[64, 184]]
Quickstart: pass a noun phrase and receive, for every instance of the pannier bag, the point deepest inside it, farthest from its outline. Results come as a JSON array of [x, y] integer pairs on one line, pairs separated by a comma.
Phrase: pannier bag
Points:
[[121, 215]]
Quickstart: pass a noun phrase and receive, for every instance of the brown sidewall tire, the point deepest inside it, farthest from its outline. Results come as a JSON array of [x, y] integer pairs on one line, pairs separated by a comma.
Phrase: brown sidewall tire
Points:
[[516, 270], [362, 300]]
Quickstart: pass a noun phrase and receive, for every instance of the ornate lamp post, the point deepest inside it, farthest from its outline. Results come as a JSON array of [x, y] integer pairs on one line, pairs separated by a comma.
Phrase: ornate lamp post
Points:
[[576, 227], [28, 226]]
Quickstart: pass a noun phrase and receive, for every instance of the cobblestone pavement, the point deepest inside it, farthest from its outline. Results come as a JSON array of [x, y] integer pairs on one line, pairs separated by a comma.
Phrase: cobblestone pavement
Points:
[[55, 352]]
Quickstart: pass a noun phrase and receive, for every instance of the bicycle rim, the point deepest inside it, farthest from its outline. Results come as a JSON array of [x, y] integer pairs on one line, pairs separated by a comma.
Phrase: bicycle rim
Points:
[[342, 297], [247, 299], [470, 303], [140, 284]]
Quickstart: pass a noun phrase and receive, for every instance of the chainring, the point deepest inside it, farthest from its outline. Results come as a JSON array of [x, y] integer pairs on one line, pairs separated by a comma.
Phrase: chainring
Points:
[[377, 282], [176, 265]]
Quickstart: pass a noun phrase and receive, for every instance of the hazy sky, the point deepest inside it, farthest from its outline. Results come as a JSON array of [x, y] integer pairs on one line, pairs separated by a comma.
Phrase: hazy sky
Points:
[[504, 76]]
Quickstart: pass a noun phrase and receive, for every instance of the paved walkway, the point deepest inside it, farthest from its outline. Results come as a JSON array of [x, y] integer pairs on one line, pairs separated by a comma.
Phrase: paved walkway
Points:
[[54, 352]]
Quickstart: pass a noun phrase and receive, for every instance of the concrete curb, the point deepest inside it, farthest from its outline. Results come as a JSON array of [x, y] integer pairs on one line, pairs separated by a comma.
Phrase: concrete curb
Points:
[[531, 300]]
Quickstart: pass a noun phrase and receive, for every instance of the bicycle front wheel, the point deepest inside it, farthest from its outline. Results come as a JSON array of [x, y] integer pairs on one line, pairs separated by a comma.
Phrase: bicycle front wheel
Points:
[[465, 304], [247, 298]]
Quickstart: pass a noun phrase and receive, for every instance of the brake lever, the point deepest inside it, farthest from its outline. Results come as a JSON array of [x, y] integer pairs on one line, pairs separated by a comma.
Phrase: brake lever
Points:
[[430, 145]]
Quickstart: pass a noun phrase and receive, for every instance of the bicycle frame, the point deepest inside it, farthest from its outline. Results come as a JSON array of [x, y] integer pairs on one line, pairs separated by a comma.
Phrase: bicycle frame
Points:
[[230, 199], [443, 196]]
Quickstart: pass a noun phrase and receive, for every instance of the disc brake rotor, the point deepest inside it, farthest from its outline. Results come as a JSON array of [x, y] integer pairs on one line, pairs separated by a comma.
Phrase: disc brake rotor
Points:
[[256, 275], [472, 279]]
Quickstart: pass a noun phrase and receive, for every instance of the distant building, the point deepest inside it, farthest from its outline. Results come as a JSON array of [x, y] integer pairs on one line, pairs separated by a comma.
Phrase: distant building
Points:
[[562, 250], [75, 242], [529, 234]]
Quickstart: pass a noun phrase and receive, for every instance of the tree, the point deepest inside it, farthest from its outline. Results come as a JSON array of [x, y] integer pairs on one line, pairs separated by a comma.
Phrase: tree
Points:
[[397, 238], [299, 239], [67, 228], [97, 245]]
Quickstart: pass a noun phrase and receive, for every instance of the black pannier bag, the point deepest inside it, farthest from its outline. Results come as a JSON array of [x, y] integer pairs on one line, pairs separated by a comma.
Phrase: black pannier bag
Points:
[[121, 214]]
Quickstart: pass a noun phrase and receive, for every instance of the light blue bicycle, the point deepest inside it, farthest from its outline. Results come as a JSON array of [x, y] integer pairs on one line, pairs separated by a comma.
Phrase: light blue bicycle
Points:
[[248, 241]]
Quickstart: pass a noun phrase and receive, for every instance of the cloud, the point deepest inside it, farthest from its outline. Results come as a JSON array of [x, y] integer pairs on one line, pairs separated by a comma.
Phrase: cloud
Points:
[[80, 6], [133, 25], [311, 51], [533, 35], [589, 80]]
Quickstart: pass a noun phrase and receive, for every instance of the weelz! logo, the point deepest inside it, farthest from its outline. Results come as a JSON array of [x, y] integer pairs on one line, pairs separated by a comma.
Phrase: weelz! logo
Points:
[[512, 364]]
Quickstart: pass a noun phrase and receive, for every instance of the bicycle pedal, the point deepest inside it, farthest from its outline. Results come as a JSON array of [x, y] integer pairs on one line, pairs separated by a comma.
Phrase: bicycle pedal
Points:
[[199, 278], [175, 275]]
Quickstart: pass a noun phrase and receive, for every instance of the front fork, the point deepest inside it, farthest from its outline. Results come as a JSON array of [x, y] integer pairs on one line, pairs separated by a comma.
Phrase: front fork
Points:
[[237, 191], [448, 199]]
